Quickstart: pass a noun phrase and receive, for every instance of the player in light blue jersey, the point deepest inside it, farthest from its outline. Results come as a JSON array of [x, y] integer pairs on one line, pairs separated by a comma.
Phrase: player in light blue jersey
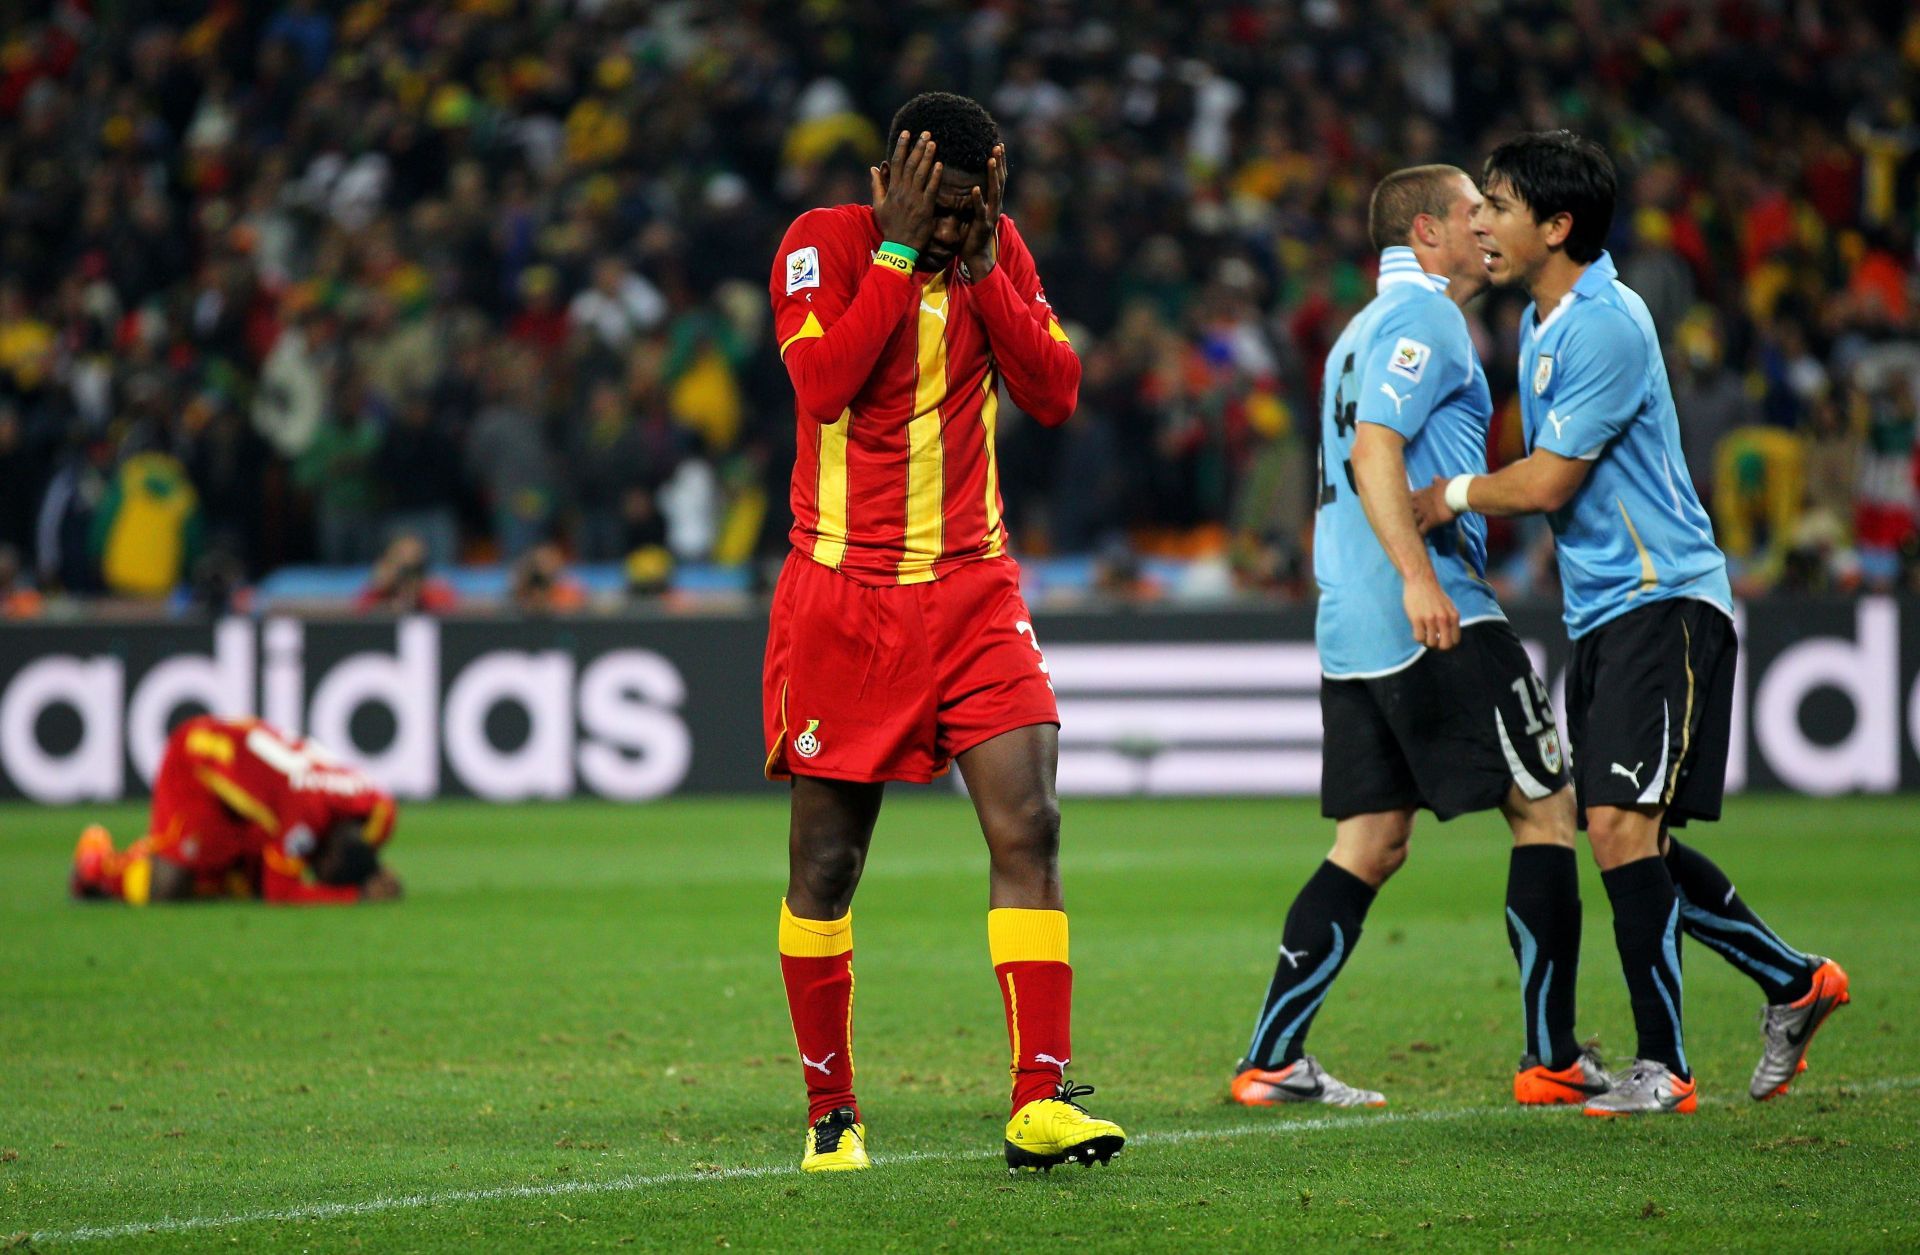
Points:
[[1427, 698], [1650, 689]]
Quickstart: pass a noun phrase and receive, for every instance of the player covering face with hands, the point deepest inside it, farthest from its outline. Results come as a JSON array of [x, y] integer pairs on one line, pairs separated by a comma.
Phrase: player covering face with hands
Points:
[[899, 643]]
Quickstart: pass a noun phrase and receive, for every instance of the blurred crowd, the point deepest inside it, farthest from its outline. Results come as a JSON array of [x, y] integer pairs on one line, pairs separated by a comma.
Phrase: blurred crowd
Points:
[[410, 284]]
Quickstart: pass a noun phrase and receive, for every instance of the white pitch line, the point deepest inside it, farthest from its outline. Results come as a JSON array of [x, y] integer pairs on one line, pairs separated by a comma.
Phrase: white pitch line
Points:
[[629, 1184]]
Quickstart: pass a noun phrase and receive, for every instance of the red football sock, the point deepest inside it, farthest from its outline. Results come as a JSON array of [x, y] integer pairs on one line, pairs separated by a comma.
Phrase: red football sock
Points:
[[816, 961], [1030, 957]]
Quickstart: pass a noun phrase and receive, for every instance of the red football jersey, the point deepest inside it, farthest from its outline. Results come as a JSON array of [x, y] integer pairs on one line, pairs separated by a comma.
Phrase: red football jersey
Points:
[[237, 791], [896, 380]]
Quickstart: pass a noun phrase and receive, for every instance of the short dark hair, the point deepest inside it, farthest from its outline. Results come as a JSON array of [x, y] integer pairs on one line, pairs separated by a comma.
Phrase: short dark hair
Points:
[[1406, 194], [1558, 172], [964, 133], [345, 857]]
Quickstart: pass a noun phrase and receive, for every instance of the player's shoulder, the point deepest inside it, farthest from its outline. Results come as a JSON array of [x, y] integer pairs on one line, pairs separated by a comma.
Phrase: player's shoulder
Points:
[[820, 244], [1418, 311], [831, 223], [1606, 323]]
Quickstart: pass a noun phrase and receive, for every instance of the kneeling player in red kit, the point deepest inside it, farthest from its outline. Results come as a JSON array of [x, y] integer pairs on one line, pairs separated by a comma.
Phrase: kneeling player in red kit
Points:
[[899, 642], [241, 810]]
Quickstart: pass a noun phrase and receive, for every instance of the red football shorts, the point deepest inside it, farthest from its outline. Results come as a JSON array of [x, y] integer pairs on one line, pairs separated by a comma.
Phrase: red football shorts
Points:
[[890, 683]]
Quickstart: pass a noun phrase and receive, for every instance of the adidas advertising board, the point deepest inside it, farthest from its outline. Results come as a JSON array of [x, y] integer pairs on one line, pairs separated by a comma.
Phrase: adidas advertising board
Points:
[[1158, 702]]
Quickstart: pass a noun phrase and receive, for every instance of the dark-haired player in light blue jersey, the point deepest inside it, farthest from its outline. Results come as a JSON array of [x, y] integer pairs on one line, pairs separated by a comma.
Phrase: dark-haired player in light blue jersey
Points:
[[1650, 689], [1427, 697]]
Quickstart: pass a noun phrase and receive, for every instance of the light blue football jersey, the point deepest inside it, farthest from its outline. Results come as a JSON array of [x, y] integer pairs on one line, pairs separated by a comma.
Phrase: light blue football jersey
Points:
[[1407, 363], [1594, 386]]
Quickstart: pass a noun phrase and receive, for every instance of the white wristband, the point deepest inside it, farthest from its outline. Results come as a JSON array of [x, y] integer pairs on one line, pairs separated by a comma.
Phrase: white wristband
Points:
[[1456, 495]]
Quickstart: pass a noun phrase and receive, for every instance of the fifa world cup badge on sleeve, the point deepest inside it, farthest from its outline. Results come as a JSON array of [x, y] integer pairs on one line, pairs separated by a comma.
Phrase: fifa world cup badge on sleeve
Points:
[[1542, 374], [803, 269], [1409, 359]]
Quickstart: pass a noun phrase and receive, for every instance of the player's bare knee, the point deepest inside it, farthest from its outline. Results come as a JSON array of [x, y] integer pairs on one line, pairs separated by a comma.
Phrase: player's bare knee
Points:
[[1384, 860], [1027, 835], [1541, 821], [1372, 847], [1621, 835], [823, 874]]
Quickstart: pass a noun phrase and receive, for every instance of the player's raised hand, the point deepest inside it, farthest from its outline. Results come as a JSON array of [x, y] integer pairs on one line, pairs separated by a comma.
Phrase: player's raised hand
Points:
[[981, 247], [1435, 619], [1430, 509], [904, 192]]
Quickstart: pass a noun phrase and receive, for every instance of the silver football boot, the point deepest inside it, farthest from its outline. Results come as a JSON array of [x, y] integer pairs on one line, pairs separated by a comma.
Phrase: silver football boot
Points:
[[1789, 1028], [1646, 1088], [1303, 1080]]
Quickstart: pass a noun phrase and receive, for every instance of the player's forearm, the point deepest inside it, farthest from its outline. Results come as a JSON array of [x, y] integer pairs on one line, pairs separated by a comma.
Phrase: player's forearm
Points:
[[1536, 484], [1380, 475], [828, 370], [1042, 371]]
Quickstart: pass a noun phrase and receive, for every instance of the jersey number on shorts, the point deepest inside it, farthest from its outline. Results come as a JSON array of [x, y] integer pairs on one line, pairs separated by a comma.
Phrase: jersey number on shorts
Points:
[[1532, 693], [1026, 629]]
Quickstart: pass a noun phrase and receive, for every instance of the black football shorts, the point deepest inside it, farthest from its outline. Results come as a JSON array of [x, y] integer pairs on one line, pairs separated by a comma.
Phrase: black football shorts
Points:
[[1650, 710], [1452, 732]]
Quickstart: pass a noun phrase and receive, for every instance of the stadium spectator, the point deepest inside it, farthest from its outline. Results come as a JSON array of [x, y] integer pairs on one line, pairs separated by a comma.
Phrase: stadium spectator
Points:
[[401, 583], [148, 529], [419, 468], [507, 454], [337, 468], [541, 584], [18, 600]]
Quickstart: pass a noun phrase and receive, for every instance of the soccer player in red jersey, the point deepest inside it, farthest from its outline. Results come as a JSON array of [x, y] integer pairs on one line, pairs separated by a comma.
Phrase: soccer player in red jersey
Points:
[[240, 809], [899, 641]]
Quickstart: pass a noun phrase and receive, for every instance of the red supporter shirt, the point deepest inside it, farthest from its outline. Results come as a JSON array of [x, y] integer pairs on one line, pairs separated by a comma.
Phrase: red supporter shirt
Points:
[[896, 382], [238, 791]]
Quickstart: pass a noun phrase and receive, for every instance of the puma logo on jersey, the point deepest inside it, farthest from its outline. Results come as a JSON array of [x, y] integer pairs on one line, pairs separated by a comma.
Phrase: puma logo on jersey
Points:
[[1558, 422], [1292, 957], [1398, 400], [820, 1067], [1041, 1057], [1633, 775]]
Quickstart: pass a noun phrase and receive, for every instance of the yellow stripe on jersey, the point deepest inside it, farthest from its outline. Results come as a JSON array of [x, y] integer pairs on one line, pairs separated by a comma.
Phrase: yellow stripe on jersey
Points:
[[216, 747], [809, 330], [1648, 579], [830, 493], [239, 800], [926, 456], [1058, 332], [990, 420]]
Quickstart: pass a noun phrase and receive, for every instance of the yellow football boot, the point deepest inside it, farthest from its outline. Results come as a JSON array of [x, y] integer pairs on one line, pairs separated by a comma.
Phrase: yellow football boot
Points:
[[835, 1143], [1049, 1131]]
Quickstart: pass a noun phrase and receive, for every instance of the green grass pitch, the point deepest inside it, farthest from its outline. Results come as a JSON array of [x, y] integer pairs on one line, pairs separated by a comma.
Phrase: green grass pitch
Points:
[[571, 1035]]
